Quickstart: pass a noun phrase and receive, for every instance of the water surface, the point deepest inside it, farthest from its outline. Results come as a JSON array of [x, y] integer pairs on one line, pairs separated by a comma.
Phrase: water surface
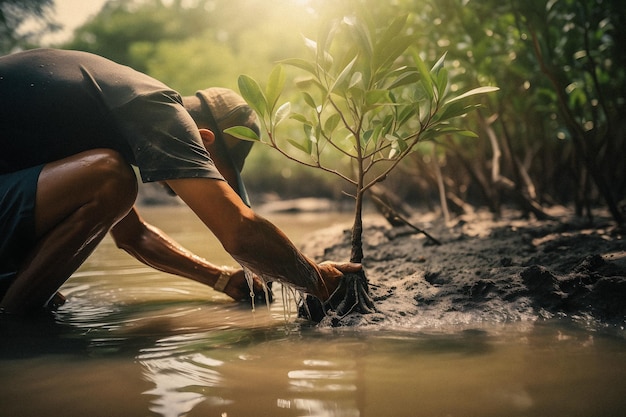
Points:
[[132, 341]]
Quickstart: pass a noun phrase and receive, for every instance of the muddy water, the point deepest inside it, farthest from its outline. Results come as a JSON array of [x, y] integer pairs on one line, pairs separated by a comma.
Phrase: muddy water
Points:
[[135, 342]]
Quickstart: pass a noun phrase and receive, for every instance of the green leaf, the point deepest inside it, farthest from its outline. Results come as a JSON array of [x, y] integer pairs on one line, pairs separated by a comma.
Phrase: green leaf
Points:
[[308, 83], [377, 97], [322, 57], [356, 80], [451, 110], [299, 146], [299, 118], [475, 91], [251, 92], [392, 31], [308, 99], [387, 125], [311, 45], [332, 122], [366, 137], [343, 75], [390, 52], [402, 144], [243, 133], [426, 78], [442, 82], [430, 134], [325, 36], [301, 64], [275, 86], [376, 134], [282, 113], [439, 64], [310, 138], [361, 37], [405, 113], [405, 78], [398, 145], [467, 133], [439, 130]]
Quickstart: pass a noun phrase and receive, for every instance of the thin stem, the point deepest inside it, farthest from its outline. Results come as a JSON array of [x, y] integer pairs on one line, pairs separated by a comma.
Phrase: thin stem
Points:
[[311, 165]]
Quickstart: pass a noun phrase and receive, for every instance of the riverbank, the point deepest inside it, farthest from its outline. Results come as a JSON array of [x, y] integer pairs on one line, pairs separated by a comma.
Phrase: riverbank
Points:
[[486, 270]]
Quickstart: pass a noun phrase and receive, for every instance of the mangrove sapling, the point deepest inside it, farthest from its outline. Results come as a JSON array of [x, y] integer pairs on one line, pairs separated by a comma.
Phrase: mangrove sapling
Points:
[[368, 99]]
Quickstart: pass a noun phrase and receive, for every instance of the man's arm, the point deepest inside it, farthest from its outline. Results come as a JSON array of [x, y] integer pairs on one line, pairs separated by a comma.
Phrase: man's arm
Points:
[[154, 248], [253, 241]]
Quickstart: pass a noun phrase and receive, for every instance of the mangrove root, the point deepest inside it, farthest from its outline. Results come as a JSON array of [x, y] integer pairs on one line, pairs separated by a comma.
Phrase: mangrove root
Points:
[[352, 296]]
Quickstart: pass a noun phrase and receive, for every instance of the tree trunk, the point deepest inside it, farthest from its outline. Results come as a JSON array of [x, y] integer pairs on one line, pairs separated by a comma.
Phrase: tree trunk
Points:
[[356, 242]]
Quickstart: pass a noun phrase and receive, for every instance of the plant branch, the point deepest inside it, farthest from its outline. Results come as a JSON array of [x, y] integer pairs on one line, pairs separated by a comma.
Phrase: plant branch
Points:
[[317, 165], [400, 218]]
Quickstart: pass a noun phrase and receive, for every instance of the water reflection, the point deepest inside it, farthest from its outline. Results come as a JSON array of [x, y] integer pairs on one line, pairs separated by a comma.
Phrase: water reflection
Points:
[[174, 358], [180, 383], [222, 371], [133, 342]]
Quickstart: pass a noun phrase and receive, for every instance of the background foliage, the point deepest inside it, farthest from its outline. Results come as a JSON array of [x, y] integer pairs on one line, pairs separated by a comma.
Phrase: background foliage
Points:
[[554, 134], [14, 34]]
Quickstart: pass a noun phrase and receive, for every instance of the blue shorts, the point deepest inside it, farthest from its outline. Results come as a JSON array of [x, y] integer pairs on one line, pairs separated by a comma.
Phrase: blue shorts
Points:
[[17, 221]]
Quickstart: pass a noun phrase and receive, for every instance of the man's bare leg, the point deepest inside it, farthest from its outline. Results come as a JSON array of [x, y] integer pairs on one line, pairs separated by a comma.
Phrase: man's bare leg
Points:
[[78, 200]]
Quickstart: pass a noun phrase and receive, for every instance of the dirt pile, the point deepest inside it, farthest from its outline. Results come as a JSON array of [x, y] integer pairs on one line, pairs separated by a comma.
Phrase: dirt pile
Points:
[[486, 270]]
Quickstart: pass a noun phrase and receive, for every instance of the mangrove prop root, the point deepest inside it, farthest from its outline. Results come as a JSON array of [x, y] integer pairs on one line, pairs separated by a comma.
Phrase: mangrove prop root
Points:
[[352, 296]]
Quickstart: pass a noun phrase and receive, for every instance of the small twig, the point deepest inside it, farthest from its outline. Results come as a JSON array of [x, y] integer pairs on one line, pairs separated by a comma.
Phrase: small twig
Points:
[[403, 220]]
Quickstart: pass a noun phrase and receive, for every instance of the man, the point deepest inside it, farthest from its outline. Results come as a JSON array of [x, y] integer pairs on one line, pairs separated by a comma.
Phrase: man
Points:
[[71, 126]]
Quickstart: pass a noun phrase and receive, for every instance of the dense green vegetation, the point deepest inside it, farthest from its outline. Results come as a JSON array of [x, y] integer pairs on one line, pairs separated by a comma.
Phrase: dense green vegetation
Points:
[[15, 33], [553, 134], [369, 100]]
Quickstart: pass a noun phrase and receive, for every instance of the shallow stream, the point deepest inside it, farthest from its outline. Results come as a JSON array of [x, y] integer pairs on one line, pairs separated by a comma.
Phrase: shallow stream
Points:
[[135, 342]]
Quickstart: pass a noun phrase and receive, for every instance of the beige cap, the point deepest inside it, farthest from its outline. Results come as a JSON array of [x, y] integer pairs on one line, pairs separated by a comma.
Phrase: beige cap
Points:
[[228, 109]]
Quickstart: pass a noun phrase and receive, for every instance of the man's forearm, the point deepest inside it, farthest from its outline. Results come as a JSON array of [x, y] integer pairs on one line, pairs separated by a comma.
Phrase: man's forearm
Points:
[[270, 254], [253, 241], [155, 249]]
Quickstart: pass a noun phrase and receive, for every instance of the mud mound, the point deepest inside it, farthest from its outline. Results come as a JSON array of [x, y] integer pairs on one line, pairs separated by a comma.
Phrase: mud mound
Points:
[[486, 271]]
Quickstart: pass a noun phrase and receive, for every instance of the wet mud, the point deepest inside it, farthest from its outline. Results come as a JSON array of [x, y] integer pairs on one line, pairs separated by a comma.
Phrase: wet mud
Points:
[[486, 270]]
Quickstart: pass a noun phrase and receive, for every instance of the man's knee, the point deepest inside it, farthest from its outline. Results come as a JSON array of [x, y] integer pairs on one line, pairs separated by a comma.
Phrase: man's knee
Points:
[[116, 179], [99, 182]]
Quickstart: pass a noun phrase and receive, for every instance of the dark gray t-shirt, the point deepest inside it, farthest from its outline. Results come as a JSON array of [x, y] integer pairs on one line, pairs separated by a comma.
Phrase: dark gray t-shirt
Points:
[[57, 103]]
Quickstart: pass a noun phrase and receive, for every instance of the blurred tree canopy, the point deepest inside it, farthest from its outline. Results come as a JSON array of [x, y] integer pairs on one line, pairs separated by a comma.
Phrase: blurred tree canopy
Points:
[[554, 134], [196, 43], [13, 15]]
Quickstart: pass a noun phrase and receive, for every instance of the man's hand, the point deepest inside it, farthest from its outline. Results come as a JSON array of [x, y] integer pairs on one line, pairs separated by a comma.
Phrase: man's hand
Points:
[[239, 290], [331, 274], [349, 293]]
